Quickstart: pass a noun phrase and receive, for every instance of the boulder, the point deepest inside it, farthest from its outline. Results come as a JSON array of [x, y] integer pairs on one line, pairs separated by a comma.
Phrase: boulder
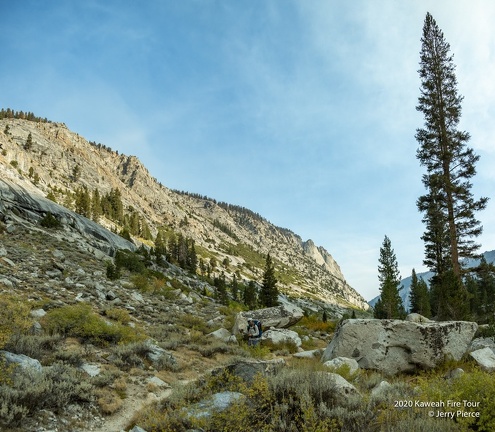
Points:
[[282, 316], [215, 403], [342, 389], [417, 318], [381, 390], [480, 343], [22, 360], [278, 336], [308, 354], [221, 334], [338, 362], [393, 346], [485, 359], [248, 369]]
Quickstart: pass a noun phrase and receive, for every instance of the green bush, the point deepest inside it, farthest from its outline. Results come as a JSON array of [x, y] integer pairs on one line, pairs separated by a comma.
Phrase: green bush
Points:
[[130, 261], [53, 388], [81, 322], [50, 221], [14, 317], [131, 355], [33, 346]]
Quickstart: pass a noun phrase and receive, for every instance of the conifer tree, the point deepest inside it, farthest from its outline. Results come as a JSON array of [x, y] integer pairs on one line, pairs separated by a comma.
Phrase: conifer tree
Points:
[[269, 290], [29, 142], [390, 304], [419, 296], [250, 295], [448, 206], [96, 209]]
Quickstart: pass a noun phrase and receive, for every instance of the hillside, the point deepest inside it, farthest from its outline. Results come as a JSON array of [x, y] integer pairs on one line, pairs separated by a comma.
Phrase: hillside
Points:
[[50, 160]]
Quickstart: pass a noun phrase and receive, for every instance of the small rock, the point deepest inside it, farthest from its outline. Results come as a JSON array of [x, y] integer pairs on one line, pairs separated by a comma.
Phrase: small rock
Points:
[[338, 362], [157, 382], [91, 369], [37, 313]]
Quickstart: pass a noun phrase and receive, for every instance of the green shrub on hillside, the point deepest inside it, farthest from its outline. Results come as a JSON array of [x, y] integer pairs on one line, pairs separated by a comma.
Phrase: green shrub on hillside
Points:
[[30, 391], [81, 322], [50, 221], [14, 317]]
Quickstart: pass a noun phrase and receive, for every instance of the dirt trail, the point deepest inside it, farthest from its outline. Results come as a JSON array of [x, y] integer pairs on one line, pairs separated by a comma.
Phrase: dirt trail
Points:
[[133, 403]]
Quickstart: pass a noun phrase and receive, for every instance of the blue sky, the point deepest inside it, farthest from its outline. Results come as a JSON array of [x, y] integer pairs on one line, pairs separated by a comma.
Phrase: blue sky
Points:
[[302, 111]]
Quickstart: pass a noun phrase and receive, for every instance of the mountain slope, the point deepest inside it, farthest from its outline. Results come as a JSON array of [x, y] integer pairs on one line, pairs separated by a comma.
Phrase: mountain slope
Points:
[[57, 161]]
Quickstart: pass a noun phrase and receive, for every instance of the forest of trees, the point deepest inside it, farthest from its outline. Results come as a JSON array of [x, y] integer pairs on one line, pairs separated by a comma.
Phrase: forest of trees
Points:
[[11, 114]]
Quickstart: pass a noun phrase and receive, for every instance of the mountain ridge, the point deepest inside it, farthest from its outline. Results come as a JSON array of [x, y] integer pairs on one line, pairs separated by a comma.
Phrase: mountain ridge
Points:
[[59, 161]]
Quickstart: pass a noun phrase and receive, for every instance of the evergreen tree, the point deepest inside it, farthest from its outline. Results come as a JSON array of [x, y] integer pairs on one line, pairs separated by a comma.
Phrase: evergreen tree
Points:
[[448, 206], [485, 283], [83, 202], [234, 288], [96, 210], [192, 257], [419, 296], [390, 304], [221, 286], [250, 295], [29, 142], [269, 290]]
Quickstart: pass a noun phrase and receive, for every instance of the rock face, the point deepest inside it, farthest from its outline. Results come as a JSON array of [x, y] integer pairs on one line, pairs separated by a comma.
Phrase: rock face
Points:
[[18, 202], [393, 346], [279, 317]]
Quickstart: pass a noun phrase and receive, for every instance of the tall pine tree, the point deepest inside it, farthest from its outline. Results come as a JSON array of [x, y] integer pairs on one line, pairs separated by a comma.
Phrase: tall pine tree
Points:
[[269, 291], [390, 304], [448, 206], [419, 296]]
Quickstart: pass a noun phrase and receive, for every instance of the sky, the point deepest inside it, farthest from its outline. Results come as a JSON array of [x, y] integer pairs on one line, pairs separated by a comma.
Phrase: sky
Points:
[[302, 111]]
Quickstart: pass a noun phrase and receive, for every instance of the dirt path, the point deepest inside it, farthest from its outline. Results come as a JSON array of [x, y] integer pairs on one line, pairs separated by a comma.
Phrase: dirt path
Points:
[[135, 401]]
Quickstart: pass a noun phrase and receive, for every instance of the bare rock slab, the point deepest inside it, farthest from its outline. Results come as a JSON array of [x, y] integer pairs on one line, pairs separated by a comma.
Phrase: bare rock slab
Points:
[[393, 346]]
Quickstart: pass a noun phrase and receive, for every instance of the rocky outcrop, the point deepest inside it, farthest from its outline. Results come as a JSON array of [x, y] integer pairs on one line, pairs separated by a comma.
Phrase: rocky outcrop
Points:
[[18, 202], [393, 346], [282, 316]]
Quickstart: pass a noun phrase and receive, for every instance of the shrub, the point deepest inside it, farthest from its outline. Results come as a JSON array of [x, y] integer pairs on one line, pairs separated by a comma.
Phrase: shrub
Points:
[[50, 221], [474, 386], [118, 314], [113, 272], [30, 391], [33, 346], [81, 322], [14, 317], [130, 261], [108, 401], [131, 355]]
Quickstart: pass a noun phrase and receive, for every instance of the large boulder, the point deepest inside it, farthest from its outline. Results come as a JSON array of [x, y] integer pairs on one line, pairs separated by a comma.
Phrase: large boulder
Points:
[[393, 346], [279, 336], [282, 316]]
